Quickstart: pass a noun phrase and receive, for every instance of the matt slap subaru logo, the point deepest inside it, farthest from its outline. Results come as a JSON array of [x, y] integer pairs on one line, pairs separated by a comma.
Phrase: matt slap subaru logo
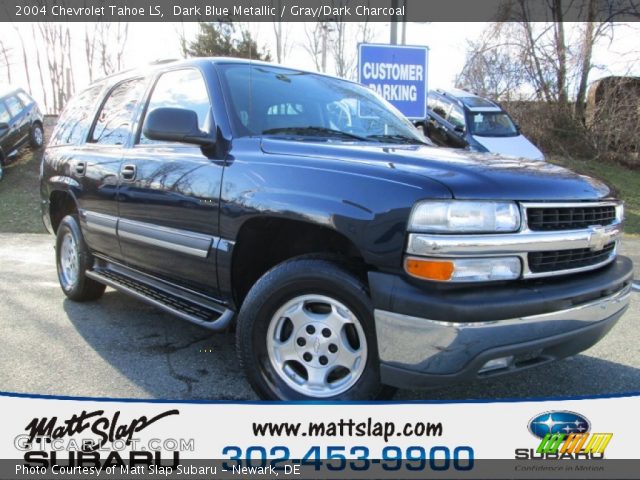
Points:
[[558, 422], [564, 435]]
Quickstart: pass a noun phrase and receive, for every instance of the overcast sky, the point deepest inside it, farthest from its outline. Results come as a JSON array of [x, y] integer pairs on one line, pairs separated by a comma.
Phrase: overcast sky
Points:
[[447, 44]]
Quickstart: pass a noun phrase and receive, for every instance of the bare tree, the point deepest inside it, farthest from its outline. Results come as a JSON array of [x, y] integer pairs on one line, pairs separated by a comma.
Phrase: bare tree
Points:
[[313, 42], [343, 36], [593, 31], [535, 57], [105, 45], [4, 52], [56, 39], [90, 39], [490, 72], [40, 72], [561, 51], [343, 57], [281, 32], [25, 59]]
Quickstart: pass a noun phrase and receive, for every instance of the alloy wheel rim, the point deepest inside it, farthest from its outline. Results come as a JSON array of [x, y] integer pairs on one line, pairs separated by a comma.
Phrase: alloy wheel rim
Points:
[[38, 135], [317, 346], [69, 261]]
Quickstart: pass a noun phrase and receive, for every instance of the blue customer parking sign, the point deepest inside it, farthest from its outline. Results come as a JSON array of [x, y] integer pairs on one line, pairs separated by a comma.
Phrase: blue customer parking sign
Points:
[[398, 74]]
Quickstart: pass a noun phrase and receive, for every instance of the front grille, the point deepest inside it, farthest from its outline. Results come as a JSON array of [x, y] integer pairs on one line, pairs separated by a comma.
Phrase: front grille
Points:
[[569, 218], [556, 260]]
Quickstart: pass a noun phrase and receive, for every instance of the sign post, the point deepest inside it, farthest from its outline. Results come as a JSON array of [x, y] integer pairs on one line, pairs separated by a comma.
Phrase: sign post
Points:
[[398, 74]]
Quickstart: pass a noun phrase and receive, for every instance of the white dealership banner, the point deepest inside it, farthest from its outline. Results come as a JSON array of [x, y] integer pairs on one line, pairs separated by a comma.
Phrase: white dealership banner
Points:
[[89, 438]]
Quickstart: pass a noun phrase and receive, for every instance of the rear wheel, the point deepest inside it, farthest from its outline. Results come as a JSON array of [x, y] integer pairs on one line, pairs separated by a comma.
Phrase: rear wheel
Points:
[[306, 331], [73, 259]]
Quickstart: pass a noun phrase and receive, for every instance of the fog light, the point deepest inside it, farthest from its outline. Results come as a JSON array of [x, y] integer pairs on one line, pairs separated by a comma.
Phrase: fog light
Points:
[[464, 269], [496, 364]]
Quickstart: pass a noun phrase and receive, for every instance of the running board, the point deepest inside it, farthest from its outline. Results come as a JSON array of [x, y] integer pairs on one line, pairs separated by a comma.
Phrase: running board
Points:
[[194, 312]]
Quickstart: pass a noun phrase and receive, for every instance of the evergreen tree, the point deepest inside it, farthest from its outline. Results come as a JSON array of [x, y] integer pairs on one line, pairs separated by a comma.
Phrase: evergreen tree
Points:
[[220, 39]]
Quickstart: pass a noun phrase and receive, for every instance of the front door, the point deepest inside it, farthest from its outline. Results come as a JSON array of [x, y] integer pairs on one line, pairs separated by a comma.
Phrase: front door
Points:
[[169, 194]]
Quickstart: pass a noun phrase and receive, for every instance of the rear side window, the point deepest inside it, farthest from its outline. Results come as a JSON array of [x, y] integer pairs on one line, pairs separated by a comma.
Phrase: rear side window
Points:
[[74, 122], [4, 113], [26, 99], [14, 105], [180, 89], [113, 124]]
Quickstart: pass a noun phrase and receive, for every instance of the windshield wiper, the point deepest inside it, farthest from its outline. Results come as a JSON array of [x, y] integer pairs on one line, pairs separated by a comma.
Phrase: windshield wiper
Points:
[[397, 138], [314, 131]]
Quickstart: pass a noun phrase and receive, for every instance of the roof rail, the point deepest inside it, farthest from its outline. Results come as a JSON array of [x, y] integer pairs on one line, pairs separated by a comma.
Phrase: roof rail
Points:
[[162, 61]]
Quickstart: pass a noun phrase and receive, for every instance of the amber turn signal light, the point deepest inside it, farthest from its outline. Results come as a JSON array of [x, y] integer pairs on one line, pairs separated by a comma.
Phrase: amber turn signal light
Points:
[[429, 269]]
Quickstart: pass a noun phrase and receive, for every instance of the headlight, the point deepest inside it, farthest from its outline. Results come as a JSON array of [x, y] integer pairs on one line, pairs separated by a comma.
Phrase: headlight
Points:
[[620, 212], [458, 216]]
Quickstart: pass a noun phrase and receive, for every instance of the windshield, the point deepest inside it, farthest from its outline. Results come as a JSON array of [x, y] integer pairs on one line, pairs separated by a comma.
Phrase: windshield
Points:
[[492, 124], [287, 103]]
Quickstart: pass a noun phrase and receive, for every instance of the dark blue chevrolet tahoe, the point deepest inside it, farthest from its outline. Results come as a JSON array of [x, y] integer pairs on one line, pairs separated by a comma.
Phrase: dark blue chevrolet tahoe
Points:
[[307, 213]]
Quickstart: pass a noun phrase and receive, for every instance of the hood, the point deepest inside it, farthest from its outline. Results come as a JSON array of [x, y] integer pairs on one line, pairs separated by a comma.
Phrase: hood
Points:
[[510, 146], [466, 175]]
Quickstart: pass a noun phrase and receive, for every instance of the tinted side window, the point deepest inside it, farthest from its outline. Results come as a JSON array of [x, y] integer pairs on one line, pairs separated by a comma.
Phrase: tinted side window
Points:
[[4, 113], [113, 124], [14, 105], [181, 89], [456, 116], [439, 106], [76, 118]]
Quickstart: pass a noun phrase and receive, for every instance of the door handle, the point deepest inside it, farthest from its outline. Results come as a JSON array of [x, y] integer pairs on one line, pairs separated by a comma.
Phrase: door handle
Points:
[[81, 168], [128, 172]]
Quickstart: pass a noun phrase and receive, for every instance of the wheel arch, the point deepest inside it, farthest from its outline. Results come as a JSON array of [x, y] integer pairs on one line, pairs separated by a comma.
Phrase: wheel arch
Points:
[[61, 204], [286, 238]]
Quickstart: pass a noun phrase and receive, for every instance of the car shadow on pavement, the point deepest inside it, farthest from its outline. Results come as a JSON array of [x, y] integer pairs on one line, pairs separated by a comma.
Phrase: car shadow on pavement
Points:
[[167, 357], [171, 359]]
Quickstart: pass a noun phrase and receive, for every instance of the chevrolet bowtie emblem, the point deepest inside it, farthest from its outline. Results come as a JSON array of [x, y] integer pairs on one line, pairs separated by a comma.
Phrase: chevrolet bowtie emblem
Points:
[[598, 238]]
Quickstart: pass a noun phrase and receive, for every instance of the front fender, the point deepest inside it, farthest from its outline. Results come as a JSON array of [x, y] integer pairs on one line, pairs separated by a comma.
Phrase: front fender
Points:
[[368, 207]]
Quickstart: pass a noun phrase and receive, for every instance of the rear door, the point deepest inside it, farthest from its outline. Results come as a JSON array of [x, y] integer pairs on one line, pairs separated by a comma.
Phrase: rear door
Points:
[[169, 193]]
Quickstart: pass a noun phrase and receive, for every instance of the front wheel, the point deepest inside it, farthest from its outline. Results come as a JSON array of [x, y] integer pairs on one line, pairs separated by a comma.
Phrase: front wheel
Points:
[[306, 332]]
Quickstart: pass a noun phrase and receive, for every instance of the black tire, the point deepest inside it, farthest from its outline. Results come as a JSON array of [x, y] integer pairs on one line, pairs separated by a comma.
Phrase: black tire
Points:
[[298, 278], [77, 287], [36, 136]]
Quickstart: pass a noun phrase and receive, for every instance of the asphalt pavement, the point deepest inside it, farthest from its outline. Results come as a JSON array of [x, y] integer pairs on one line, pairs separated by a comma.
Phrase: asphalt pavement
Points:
[[119, 347]]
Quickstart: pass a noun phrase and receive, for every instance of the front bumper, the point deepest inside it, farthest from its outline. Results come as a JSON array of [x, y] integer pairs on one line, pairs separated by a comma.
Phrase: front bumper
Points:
[[423, 344]]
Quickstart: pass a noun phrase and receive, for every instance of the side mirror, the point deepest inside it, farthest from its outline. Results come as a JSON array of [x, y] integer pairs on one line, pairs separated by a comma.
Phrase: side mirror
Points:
[[175, 125], [4, 125], [458, 129]]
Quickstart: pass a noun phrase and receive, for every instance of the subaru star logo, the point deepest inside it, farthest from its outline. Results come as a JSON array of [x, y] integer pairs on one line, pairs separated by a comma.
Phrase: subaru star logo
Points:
[[558, 421]]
